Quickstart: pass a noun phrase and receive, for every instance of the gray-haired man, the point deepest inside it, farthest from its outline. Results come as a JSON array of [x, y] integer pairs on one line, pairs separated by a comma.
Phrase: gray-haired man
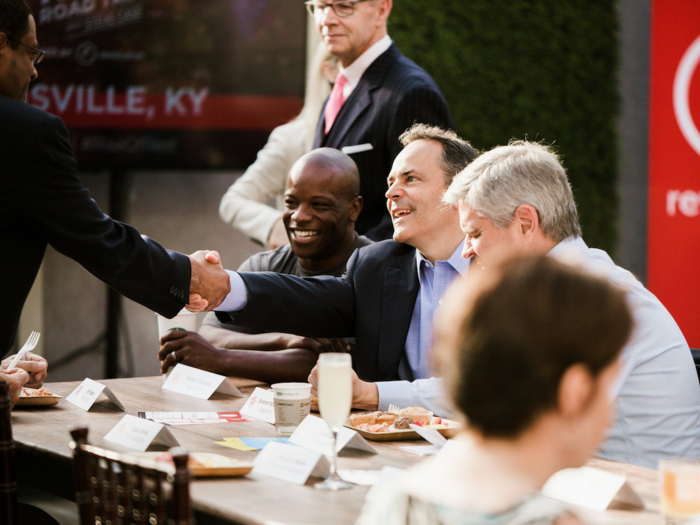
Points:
[[518, 197]]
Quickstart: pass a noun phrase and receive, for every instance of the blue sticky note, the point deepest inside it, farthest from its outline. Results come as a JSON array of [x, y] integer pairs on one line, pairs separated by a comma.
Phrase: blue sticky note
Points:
[[259, 443]]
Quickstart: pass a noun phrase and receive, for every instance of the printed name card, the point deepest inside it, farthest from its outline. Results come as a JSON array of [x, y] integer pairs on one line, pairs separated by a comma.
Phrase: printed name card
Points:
[[260, 405], [591, 488], [198, 383], [431, 435], [137, 433], [313, 434], [89, 392], [290, 463]]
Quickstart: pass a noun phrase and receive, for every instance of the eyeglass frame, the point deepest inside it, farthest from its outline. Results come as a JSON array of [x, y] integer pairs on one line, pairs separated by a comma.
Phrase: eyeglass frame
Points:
[[311, 3], [39, 53]]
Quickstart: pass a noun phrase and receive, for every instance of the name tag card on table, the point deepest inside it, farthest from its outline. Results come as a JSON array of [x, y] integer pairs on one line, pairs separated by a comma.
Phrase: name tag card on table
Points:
[[139, 434], [290, 463], [260, 405], [591, 488], [431, 435], [193, 418], [313, 434], [89, 392], [198, 383]]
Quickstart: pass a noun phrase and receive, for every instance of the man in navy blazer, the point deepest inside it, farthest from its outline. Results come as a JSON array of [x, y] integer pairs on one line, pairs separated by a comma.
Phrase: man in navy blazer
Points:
[[383, 94], [391, 289], [42, 201]]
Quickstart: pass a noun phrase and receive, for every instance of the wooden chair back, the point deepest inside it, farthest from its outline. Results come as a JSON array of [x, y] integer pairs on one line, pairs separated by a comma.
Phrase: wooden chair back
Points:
[[8, 479], [116, 489]]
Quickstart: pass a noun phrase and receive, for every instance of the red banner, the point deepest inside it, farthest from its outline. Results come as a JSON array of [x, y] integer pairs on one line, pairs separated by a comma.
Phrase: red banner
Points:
[[674, 163]]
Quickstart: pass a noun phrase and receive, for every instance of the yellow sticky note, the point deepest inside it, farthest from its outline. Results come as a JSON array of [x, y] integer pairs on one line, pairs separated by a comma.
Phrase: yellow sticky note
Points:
[[234, 443]]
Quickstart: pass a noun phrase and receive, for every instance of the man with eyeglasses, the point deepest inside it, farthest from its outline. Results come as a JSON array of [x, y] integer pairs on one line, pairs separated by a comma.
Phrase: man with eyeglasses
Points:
[[379, 93], [42, 201]]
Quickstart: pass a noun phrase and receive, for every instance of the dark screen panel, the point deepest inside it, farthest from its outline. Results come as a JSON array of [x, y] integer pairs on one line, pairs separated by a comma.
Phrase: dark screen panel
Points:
[[170, 83]]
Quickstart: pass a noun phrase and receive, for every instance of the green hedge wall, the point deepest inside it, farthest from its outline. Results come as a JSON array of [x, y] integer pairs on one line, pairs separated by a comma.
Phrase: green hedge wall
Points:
[[537, 69]]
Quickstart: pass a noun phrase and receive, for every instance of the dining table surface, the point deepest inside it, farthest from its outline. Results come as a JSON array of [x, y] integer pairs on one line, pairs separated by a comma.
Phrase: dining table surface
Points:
[[44, 459]]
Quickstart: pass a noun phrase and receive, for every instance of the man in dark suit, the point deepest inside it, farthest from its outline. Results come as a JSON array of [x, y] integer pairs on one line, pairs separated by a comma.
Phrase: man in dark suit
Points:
[[379, 94], [391, 289], [42, 201]]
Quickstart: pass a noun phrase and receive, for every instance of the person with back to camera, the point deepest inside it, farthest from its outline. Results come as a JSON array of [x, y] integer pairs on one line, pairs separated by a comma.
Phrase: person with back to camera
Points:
[[529, 351], [244, 206]]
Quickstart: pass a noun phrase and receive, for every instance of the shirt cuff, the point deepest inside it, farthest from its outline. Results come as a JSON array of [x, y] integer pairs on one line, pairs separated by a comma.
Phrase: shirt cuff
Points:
[[394, 393], [237, 297]]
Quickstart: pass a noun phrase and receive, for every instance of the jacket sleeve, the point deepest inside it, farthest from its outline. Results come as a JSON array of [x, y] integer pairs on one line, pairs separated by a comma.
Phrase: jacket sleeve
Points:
[[59, 209]]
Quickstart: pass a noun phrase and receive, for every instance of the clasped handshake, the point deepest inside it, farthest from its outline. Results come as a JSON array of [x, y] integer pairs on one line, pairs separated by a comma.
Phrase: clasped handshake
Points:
[[210, 283]]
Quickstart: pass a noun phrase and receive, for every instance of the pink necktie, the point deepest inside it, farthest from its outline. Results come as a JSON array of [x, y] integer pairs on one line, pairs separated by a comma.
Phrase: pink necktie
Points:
[[335, 101]]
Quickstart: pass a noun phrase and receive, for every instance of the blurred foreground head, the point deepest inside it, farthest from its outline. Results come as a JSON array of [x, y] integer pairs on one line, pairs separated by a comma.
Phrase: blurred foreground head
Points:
[[533, 341]]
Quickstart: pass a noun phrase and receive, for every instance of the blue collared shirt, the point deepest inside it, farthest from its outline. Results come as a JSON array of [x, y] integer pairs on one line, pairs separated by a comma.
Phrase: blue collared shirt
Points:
[[434, 281]]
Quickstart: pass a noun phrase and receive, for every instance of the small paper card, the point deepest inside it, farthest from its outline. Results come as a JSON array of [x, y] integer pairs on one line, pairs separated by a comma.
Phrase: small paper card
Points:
[[193, 418], [260, 405], [198, 383], [422, 450], [290, 463], [591, 488], [313, 433], [89, 392], [359, 477], [431, 435], [359, 148], [134, 432]]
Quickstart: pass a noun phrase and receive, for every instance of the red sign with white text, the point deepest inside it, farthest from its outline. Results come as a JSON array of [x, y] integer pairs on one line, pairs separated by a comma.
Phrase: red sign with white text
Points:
[[674, 163]]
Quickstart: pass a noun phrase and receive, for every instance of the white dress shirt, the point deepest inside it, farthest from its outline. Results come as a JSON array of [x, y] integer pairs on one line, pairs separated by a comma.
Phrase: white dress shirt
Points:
[[353, 73]]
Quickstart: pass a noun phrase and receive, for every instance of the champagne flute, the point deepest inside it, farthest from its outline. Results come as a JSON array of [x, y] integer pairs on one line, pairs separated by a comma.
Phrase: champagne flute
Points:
[[334, 400]]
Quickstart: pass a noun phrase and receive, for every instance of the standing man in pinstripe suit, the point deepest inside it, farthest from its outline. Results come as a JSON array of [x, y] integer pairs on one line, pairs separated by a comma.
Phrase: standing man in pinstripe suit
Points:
[[378, 94]]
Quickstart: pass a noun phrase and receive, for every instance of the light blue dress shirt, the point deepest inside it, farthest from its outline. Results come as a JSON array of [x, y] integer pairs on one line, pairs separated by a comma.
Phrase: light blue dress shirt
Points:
[[657, 395], [425, 391]]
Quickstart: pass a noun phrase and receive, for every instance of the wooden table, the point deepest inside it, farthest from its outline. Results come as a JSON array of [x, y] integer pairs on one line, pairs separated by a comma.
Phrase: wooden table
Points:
[[44, 460]]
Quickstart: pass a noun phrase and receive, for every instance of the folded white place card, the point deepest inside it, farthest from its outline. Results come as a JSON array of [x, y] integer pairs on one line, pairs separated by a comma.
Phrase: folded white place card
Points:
[[349, 150], [313, 433], [422, 450], [591, 488], [260, 405], [290, 463], [137, 433], [89, 392], [198, 383], [431, 435]]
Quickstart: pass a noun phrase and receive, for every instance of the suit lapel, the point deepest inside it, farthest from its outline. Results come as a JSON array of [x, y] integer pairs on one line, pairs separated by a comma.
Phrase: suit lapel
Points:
[[358, 102], [398, 300]]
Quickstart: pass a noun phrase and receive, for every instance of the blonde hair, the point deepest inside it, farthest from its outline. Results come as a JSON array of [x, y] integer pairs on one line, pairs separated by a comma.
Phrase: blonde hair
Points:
[[317, 88]]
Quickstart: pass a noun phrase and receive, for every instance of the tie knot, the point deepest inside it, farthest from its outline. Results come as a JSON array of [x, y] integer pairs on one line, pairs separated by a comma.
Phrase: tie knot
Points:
[[340, 81]]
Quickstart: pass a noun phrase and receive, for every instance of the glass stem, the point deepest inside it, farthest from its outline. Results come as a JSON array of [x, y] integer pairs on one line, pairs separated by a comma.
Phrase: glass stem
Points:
[[334, 455]]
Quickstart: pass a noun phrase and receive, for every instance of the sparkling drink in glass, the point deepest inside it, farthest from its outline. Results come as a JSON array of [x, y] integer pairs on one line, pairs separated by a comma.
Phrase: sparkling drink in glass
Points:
[[680, 489], [334, 400]]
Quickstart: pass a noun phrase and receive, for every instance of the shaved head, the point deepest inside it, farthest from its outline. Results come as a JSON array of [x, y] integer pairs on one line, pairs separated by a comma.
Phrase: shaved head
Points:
[[338, 167]]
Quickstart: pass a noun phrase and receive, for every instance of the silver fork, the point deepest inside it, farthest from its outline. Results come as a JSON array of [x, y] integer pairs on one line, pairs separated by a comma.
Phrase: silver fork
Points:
[[393, 409], [28, 346]]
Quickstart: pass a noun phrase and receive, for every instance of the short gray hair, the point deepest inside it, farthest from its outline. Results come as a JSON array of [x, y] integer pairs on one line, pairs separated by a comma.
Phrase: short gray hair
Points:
[[499, 181]]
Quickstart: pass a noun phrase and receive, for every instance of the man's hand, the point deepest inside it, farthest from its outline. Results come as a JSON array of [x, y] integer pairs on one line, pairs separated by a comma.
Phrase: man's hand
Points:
[[364, 395], [210, 283], [36, 366], [191, 349], [278, 235], [16, 378], [318, 345]]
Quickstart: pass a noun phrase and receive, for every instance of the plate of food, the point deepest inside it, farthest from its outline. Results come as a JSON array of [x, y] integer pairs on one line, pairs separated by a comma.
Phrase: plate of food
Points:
[[203, 464], [385, 426], [37, 397]]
